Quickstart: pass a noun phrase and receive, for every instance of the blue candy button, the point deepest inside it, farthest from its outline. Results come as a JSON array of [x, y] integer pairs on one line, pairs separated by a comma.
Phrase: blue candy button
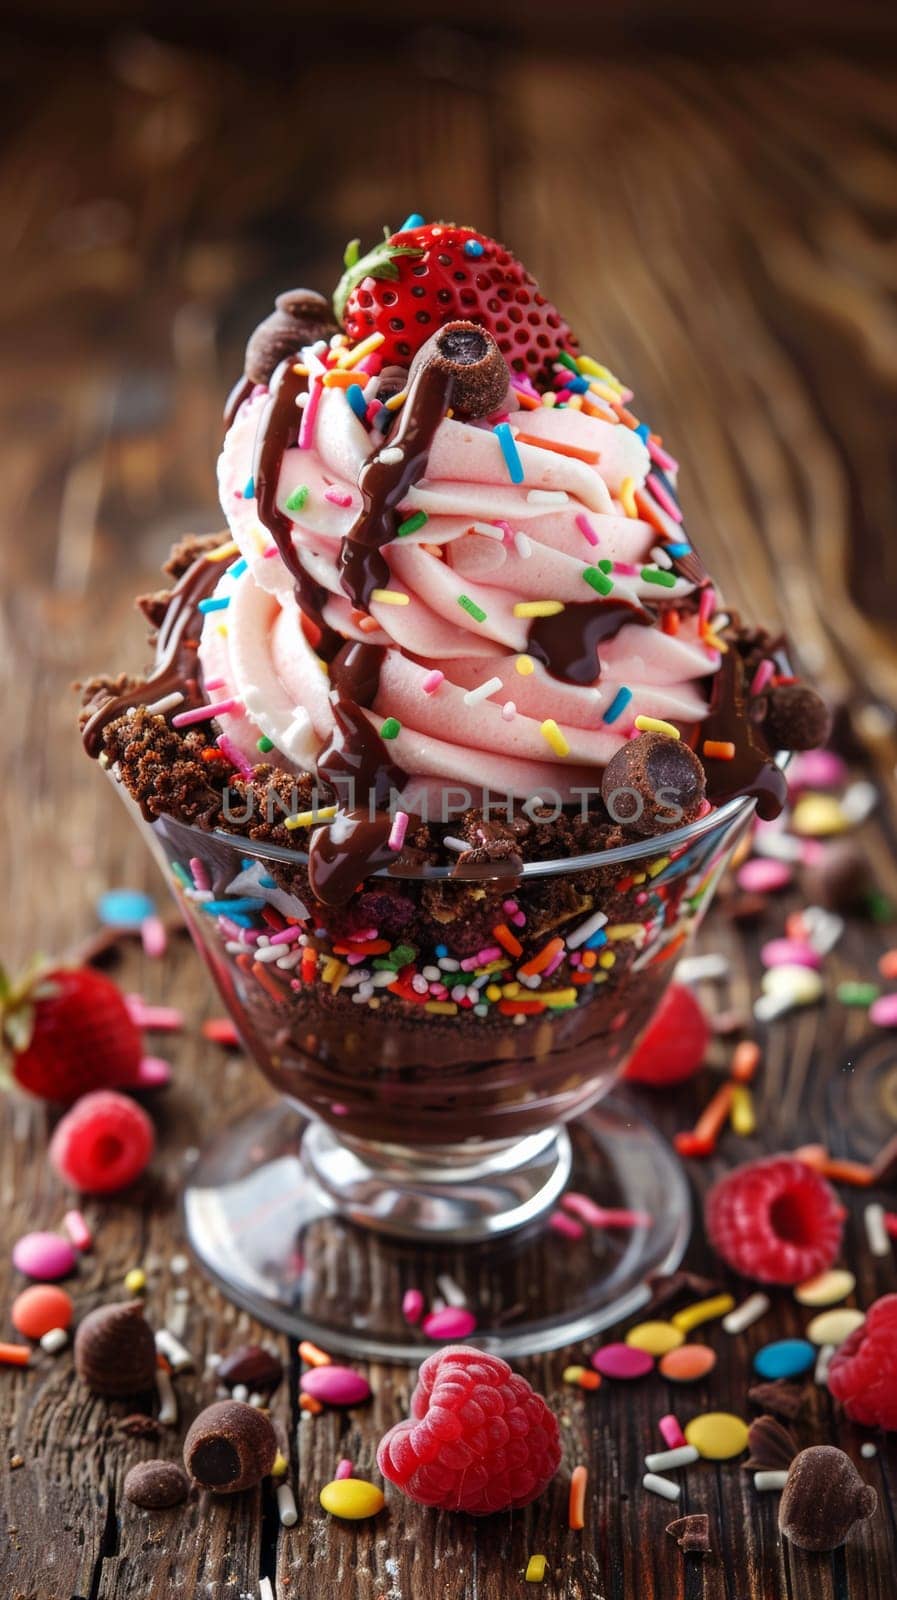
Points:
[[787, 1358], [125, 908]]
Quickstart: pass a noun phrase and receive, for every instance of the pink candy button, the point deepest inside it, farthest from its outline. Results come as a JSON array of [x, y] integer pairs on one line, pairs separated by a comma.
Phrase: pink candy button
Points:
[[335, 1386], [453, 1322], [43, 1256], [762, 875], [790, 953], [817, 769], [622, 1361], [883, 1011]]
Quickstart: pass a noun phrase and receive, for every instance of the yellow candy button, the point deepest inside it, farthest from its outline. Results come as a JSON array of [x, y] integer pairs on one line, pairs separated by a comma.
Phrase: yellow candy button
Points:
[[352, 1498], [657, 1338], [826, 1289], [833, 1327], [717, 1435], [818, 816]]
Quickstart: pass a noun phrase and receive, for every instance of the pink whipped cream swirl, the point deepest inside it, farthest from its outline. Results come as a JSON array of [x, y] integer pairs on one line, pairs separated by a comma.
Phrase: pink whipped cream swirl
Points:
[[487, 546]]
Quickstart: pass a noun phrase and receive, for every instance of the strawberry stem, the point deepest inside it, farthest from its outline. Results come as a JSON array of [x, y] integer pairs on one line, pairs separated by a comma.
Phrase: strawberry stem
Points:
[[378, 263]]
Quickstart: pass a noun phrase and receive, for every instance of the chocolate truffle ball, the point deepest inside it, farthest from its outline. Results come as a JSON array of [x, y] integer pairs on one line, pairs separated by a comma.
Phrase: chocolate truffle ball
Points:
[[260, 1369], [477, 367], [796, 718], [840, 878], [301, 317], [653, 783], [823, 1497], [155, 1485], [230, 1447], [115, 1352]]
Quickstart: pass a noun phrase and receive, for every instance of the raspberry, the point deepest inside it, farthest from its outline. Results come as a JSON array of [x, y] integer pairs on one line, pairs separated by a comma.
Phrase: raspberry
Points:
[[480, 1439], [863, 1373], [103, 1143], [674, 1043], [775, 1220]]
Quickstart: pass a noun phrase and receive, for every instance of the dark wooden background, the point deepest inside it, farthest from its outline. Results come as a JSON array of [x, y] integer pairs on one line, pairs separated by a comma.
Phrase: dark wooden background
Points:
[[713, 202]]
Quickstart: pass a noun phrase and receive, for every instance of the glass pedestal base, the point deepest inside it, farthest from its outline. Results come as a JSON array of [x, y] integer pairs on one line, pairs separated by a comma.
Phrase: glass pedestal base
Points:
[[273, 1209]]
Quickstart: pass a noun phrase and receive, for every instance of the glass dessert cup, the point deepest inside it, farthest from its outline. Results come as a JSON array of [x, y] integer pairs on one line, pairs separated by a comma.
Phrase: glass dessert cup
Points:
[[424, 1139]]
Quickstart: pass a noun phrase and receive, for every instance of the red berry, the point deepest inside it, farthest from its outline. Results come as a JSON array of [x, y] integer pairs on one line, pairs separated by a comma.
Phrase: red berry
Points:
[[775, 1220], [863, 1373], [69, 1031], [413, 282], [103, 1143], [479, 1438], [674, 1043]]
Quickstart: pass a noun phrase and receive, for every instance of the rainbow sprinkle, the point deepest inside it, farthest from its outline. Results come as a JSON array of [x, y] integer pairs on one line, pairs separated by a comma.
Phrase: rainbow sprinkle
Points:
[[538, 608], [656, 725], [471, 607], [618, 705], [553, 737], [510, 452], [296, 500]]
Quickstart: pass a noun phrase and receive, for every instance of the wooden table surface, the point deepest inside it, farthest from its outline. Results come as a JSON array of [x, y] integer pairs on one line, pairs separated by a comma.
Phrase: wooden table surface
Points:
[[722, 234]]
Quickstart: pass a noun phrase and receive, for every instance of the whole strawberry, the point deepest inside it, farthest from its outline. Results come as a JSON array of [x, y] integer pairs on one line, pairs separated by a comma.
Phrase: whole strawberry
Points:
[[479, 1439], [65, 1031], [422, 277]]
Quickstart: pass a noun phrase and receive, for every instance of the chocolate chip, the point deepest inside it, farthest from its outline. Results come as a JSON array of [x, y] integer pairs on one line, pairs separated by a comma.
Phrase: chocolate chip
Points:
[[692, 1532], [772, 1445], [260, 1369], [796, 718], [840, 878], [230, 1447], [785, 1399], [301, 317], [822, 1499], [115, 1352], [477, 366], [154, 1485], [653, 783]]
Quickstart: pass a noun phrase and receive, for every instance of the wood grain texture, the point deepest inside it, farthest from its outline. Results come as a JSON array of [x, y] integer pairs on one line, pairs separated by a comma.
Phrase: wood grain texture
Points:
[[722, 233]]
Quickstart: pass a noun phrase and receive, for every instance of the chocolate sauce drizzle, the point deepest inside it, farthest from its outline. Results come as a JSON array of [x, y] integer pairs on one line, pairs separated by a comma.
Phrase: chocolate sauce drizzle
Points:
[[567, 643], [385, 483], [241, 391], [176, 667], [752, 770]]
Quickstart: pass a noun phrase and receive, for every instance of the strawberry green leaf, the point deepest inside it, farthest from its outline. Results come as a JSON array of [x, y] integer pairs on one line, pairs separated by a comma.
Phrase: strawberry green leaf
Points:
[[381, 262], [351, 253]]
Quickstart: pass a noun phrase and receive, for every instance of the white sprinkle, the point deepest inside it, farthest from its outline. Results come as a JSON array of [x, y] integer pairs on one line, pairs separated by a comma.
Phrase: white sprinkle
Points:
[[745, 1315], [268, 952], [662, 1486], [547, 497], [509, 711], [451, 1292], [472, 697], [523, 546], [585, 930], [766, 1481], [173, 1351], [868, 1450], [859, 801], [168, 1400], [177, 1321], [419, 983], [286, 1506], [481, 1011], [770, 1006], [449, 964], [488, 530], [823, 1362], [182, 1296], [53, 1340], [381, 979], [876, 1232], [660, 558], [365, 990], [432, 974], [824, 928], [257, 1401], [666, 1460], [167, 703], [266, 1592], [694, 969], [454, 844], [391, 455], [241, 1393]]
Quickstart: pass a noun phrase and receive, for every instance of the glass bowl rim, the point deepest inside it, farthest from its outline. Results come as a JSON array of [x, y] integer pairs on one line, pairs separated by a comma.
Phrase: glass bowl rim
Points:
[[717, 820]]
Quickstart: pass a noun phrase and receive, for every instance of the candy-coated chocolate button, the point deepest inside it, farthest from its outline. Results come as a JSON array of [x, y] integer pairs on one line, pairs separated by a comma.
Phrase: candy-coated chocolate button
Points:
[[39, 1309], [622, 1361], [717, 1435], [833, 1327], [352, 1498], [826, 1289], [689, 1363], [44, 1256], [786, 1358], [818, 816], [655, 1337]]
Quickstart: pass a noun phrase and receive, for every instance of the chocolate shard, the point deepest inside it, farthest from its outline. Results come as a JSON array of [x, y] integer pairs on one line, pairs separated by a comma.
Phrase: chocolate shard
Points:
[[772, 1445], [691, 1533], [666, 1287], [784, 1399], [823, 1498]]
